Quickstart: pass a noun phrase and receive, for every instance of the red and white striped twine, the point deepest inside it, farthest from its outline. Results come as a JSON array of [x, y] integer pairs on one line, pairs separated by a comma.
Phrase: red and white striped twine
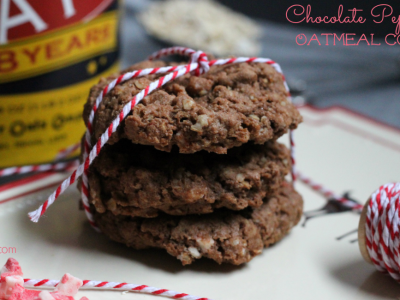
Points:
[[58, 166], [382, 229], [105, 285], [292, 156], [199, 64], [328, 193], [124, 77]]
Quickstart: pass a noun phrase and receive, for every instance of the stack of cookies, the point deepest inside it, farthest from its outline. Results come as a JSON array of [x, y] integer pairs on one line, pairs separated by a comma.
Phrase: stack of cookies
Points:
[[195, 168]]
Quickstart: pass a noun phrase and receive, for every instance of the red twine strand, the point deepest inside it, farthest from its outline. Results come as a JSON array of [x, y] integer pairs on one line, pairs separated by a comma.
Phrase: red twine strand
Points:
[[106, 285]]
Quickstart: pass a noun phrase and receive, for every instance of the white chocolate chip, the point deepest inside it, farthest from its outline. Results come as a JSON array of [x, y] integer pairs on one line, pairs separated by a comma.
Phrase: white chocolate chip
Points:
[[264, 119], [196, 127], [257, 251], [188, 104], [254, 117], [240, 177], [235, 242], [202, 121], [205, 244], [203, 92], [184, 257], [194, 252]]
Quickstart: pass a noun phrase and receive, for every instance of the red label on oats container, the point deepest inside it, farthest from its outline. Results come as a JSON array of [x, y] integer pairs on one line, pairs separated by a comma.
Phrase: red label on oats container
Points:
[[51, 53]]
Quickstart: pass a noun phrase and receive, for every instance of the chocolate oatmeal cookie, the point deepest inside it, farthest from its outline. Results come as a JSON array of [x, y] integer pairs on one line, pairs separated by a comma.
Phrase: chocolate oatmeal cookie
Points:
[[223, 108], [137, 180], [225, 236]]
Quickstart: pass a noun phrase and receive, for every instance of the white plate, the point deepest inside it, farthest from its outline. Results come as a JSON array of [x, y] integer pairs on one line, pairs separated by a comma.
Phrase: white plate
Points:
[[344, 151]]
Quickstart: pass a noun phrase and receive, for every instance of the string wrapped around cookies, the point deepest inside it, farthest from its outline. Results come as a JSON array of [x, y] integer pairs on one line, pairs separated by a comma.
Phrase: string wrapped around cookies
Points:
[[199, 64]]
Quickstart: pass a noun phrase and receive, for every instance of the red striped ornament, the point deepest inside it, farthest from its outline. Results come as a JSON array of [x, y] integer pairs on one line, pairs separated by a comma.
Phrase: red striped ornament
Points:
[[379, 230]]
